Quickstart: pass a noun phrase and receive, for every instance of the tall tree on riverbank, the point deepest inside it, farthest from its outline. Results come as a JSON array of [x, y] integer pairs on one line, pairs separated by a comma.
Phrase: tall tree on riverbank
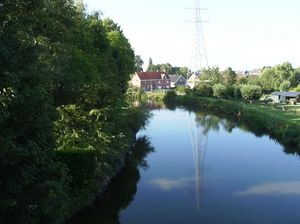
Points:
[[54, 55], [31, 182]]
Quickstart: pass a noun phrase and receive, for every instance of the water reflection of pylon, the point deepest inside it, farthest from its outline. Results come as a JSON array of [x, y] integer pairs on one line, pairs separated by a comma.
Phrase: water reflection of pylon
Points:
[[199, 143]]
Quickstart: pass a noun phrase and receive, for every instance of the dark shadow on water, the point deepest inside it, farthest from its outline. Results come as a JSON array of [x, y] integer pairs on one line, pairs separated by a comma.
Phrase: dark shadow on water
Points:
[[121, 190]]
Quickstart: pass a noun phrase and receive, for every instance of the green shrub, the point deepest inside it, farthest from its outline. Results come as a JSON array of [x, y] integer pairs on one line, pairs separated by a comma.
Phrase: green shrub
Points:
[[219, 90], [229, 92], [82, 164], [170, 95]]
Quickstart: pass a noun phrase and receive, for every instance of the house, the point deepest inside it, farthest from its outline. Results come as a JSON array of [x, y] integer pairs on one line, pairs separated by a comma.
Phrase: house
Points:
[[283, 96], [242, 73], [255, 71], [149, 81], [177, 80], [192, 81]]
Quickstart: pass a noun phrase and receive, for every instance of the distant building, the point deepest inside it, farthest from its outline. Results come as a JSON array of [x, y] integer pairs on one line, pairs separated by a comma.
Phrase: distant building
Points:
[[242, 73], [177, 80], [283, 96], [256, 71], [151, 80]]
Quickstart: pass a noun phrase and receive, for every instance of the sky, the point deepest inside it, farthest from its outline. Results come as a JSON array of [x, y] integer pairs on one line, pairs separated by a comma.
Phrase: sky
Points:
[[241, 34]]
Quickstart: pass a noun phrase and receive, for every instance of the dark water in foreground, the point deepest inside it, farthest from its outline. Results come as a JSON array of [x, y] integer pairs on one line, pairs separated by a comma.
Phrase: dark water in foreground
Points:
[[194, 166]]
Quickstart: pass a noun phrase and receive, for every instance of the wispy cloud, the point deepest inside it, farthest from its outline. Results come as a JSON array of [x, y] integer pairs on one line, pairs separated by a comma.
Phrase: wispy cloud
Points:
[[277, 188], [167, 184]]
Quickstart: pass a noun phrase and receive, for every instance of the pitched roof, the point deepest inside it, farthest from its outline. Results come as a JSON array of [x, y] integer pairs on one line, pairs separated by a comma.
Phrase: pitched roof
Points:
[[175, 78], [289, 94], [255, 71], [152, 75]]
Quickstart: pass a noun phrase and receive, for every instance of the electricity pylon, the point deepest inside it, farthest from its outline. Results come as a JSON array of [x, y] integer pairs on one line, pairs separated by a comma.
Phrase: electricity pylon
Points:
[[198, 59], [199, 143]]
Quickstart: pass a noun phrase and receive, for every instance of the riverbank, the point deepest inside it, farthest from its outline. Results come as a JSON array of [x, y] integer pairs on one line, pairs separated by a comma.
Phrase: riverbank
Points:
[[91, 168], [283, 126]]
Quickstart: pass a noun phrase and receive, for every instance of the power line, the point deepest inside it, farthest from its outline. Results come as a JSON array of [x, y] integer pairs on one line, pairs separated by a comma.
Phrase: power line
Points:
[[198, 59]]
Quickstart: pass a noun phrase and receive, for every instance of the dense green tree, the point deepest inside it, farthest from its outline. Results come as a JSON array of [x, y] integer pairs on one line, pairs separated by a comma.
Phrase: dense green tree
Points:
[[284, 72], [122, 52], [138, 63], [251, 92], [219, 90], [32, 183], [150, 65], [242, 81], [285, 86], [265, 80], [229, 92], [203, 88], [213, 75], [183, 71], [230, 77]]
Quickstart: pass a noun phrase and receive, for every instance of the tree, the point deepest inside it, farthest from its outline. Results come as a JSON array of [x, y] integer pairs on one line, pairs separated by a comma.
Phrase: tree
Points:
[[230, 77], [251, 92], [121, 51], [150, 65], [284, 72], [229, 92], [138, 63], [203, 88], [33, 184], [266, 80], [242, 81], [219, 90], [183, 71], [285, 86], [213, 75]]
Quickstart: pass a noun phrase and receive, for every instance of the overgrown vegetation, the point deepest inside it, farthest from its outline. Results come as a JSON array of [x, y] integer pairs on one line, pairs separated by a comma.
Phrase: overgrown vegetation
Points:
[[64, 123], [283, 126]]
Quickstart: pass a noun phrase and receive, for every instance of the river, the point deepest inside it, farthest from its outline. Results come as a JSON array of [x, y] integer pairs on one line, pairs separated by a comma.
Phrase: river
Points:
[[191, 166]]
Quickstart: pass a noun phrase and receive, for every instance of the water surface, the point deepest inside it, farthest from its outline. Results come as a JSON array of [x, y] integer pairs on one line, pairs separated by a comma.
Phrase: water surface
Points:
[[195, 166]]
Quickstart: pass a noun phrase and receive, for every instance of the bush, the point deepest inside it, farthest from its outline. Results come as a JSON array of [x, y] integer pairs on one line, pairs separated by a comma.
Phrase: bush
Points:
[[203, 89], [170, 95], [229, 92], [183, 90], [251, 92], [237, 93], [219, 90]]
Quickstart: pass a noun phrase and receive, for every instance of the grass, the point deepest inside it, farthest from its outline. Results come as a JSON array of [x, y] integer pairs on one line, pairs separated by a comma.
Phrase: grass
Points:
[[281, 109]]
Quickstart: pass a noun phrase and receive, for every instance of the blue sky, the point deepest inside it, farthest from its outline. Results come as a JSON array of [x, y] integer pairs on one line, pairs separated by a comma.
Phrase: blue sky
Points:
[[241, 34]]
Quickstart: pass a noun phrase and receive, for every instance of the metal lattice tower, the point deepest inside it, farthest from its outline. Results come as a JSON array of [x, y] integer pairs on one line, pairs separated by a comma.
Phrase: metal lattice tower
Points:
[[198, 52], [199, 143]]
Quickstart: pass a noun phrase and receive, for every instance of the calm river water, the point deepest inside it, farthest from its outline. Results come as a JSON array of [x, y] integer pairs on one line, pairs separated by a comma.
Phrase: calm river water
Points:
[[196, 166]]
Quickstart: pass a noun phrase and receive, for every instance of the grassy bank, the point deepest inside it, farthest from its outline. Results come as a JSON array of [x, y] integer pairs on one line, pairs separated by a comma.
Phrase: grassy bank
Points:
[[280, 124]]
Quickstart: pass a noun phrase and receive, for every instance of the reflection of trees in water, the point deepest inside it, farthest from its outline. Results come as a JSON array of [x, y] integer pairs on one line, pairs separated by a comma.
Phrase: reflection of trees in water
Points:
[[211, 120], [120, 191]]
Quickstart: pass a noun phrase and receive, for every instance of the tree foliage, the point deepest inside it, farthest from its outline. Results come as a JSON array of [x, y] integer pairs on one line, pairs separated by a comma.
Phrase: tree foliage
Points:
[[230, 77], [219, 90], [212, 74], [54, 55], [285, 86], [251, 92]]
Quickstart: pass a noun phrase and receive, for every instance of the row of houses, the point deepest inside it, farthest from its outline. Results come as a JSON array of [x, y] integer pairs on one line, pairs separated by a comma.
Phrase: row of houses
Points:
[[157, 80], [149, 81], [161, 80]]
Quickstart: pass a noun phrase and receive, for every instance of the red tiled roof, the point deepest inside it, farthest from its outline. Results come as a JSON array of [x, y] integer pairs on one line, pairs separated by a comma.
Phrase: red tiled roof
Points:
[[152, 75]]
